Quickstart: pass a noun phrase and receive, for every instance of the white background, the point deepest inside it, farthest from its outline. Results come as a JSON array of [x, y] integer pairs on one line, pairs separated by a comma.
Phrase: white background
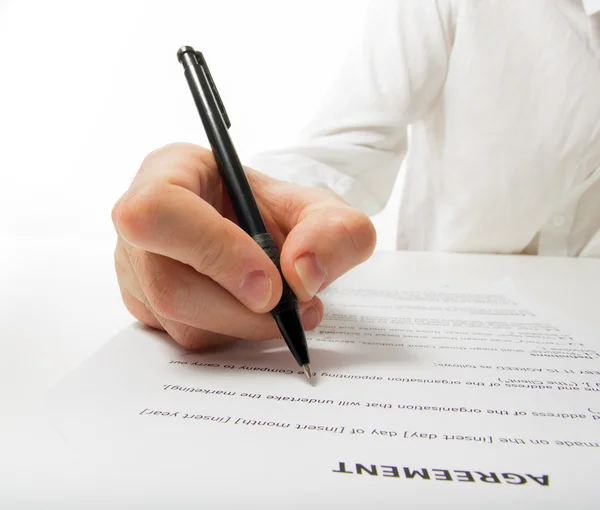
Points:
[[87, 89]]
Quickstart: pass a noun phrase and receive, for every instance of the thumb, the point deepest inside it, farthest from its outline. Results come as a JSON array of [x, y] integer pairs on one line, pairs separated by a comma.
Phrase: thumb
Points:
[[329, 239]]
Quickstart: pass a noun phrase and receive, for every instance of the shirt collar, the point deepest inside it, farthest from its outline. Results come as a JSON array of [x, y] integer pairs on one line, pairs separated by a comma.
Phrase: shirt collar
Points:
[[591, 7]]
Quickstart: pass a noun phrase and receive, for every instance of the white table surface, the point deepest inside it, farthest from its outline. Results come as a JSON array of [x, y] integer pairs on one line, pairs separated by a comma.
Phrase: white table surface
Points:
[[60, 300]]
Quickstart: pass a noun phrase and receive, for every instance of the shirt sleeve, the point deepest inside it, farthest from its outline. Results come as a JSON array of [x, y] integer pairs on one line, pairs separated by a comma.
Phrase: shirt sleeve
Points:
[[356, 142]]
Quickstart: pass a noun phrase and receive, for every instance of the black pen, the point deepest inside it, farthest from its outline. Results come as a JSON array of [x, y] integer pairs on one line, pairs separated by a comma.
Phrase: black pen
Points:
[[216, 124]]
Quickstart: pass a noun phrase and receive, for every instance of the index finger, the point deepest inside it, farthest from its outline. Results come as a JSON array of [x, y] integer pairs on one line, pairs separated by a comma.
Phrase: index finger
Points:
[[163, 213]]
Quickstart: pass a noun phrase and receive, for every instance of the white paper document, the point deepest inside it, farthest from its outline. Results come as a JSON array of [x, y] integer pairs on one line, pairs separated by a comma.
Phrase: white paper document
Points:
[[422, 398]]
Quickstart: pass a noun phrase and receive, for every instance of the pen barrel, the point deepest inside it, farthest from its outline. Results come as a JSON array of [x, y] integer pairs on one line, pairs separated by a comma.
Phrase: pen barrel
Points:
[[216, 124], [288, 299], [230, 167]]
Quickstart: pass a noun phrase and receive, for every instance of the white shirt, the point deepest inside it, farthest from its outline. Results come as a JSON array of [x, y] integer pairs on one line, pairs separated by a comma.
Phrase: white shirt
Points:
[[501, 102]]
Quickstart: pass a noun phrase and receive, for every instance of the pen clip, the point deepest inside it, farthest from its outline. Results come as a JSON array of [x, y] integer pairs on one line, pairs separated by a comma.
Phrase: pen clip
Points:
[[202, 63]]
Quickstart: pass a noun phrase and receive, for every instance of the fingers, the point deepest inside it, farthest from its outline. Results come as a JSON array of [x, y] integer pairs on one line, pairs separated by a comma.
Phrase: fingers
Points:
[[137, 304], [132, 295], [139, 310], [168, 219], [325, 236], [192, 338], [191, 307], [187, 336], [329, 240], [194, 273]]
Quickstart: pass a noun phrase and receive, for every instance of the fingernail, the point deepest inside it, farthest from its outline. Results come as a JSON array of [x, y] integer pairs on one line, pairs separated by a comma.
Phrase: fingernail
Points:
[[311, 272], [310, 318], [256, 289]]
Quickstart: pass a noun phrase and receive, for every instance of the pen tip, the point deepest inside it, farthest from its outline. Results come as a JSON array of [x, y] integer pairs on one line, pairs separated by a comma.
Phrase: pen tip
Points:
[[307, 370]]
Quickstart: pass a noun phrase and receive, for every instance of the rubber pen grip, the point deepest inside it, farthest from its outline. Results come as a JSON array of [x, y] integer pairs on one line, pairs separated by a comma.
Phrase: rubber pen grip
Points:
[[288, 299]]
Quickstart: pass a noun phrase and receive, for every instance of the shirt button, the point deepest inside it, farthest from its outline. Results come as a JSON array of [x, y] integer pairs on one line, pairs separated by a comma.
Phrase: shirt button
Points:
[[558, 220]]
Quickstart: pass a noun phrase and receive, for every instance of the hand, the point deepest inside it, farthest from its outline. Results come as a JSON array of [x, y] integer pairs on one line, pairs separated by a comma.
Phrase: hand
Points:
[[186, 267]]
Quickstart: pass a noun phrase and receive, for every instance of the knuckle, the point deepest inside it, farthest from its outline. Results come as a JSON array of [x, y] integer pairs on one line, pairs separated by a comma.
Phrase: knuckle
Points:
[[212, 255], [177, 154], [163, 295], [138, 309], [187, 166], [116, 213], [196, 339], [202, 156], [138, 213], [283, 200], [162, 299], [131, 305], [170, 151], [359, 229], [186, 337]]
